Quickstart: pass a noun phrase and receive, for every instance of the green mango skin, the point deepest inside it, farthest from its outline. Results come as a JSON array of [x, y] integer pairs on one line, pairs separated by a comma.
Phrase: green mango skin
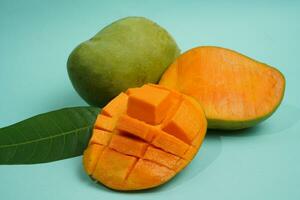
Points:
[[127, 53]]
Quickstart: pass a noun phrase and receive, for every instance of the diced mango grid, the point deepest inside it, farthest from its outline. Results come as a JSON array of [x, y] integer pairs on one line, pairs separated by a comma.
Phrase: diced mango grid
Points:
[[139, 143]]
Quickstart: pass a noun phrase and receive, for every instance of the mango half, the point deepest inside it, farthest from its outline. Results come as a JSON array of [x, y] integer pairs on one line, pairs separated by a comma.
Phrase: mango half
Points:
[[235, 91], [127, 53], [144, 137]]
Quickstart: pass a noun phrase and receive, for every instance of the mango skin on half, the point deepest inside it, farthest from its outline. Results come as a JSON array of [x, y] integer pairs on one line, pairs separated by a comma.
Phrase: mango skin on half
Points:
[[144, 137], [235, 91], [130, 52]]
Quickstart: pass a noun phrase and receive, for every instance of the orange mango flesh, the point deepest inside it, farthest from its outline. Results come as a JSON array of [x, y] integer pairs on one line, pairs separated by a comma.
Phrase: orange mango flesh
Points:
[[235, 91], [144, 137]]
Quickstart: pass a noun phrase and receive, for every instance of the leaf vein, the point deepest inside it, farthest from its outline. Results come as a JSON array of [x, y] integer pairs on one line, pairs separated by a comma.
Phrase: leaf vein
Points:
[[45, 138]]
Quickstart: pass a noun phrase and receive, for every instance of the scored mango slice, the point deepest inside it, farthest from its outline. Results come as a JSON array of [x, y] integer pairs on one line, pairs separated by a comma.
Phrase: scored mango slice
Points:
[[144, 137]]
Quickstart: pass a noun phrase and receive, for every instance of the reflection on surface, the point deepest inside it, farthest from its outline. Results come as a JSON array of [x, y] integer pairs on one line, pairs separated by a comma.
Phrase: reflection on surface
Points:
[[285, 117]]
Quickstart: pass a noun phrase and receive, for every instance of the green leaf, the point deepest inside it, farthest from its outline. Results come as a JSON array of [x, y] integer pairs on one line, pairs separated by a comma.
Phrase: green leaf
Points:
[[47, 137]]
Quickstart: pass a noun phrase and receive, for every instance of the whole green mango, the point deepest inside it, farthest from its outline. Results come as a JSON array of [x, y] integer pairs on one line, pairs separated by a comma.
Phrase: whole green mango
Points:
[[127, 53]]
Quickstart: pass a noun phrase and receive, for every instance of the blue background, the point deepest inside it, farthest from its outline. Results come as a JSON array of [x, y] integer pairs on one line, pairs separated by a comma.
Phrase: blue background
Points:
[[36, 38]]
